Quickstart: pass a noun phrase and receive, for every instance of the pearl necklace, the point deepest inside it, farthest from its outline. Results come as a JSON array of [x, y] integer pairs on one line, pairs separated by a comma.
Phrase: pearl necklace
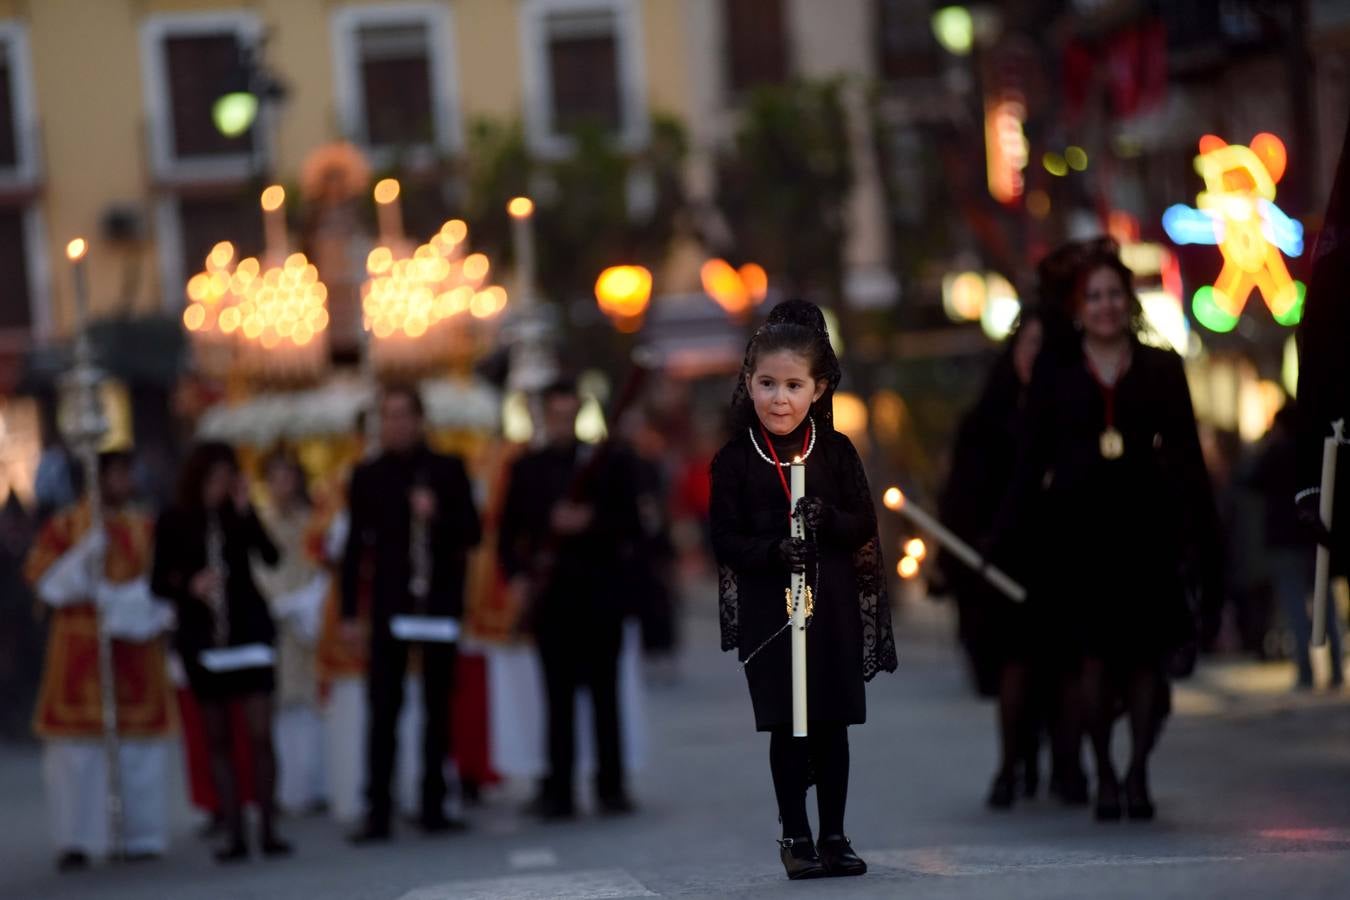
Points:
[[764, 456]]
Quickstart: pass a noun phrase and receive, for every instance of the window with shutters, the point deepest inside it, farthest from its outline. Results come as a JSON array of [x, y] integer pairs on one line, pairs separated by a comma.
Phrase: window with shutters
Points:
[[191, 61], [394, 78], [756, 43], [18, 130], [583, 69]]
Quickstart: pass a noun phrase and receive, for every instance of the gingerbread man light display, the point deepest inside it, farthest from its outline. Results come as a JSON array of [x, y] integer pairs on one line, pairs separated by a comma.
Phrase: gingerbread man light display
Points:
[[1237, 212]]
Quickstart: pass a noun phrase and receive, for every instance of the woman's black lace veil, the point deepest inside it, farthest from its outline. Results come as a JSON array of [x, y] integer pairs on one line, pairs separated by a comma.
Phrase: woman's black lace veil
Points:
[[873, 602]]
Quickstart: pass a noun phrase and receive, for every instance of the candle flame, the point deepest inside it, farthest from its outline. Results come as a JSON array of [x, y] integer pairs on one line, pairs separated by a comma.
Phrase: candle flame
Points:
[[76, 249], [520, 207], [893, 498], [386, 191], [907, 567], [917, 549], [797, 461], [273, 197]]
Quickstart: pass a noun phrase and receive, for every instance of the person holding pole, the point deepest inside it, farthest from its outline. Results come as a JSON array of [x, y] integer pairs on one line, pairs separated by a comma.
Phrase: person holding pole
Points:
[[69, 718], [1322, 500], [817, 558]]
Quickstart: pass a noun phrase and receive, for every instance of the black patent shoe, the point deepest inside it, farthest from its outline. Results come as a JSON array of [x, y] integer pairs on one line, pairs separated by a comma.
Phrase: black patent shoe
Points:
[[72, 861], [235, 851], [836, 854], [1003, 792], [1138, 805], [800, 859], [616, 805], [1108, 799]]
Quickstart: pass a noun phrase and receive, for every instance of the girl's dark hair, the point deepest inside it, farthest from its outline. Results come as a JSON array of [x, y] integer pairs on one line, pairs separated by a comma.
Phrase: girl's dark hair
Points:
[[201, 460], [797, 326], [284, 456], [793, 338]]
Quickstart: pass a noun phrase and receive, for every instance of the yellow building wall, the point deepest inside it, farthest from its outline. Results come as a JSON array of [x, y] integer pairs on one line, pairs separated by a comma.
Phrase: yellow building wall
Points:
[[87, 73]]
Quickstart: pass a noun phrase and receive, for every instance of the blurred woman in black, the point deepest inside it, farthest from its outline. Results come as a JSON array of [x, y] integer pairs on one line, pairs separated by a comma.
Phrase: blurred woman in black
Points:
[[225, 633], [1036, 684], [1111, 468]]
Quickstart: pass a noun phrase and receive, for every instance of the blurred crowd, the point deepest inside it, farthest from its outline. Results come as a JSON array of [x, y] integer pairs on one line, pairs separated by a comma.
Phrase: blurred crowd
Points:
[[315, 646]]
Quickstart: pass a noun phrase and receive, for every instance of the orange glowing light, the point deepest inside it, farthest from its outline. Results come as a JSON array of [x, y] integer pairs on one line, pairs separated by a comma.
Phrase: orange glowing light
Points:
[[386, 191], [520, 207], [221, 255], [893, 499], [194, 317], [724, 285], [756, 282], [908, 567], [272, 198], [623, 292], [916, 548], [76, 249], [379, 260], [455, 230]]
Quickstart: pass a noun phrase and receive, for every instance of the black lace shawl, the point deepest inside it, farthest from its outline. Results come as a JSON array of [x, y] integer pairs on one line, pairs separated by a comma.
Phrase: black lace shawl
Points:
[[873, 601]]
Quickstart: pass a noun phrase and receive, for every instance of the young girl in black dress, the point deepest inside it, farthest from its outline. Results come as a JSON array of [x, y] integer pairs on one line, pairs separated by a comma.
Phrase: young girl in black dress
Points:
[[782, 408]]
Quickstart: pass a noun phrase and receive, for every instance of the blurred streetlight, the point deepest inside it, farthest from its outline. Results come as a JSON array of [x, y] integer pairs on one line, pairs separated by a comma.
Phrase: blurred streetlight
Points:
[[622, 293], [734, 290], [954, 28]]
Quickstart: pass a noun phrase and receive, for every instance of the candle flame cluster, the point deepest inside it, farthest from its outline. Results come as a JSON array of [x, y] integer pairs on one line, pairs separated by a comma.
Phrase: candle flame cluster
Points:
[[406, 300], [276, 316]]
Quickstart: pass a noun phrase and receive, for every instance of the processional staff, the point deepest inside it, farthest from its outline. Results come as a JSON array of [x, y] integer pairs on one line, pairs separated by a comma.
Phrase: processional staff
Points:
[[86, 429]]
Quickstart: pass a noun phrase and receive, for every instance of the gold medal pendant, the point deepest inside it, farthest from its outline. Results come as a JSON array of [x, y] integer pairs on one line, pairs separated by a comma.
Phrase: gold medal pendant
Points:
[[1112, 444]]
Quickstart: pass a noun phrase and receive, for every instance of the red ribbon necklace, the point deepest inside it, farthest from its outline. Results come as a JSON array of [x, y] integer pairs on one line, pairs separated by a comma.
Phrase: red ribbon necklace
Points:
[[778, 466]]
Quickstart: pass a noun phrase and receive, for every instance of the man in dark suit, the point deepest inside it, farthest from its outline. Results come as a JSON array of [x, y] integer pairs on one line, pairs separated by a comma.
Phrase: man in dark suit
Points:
[[569, 519], [413, 522]]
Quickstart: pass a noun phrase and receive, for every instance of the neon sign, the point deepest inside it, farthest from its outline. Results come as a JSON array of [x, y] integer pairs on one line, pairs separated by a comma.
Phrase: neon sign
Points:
[[1236, 211]]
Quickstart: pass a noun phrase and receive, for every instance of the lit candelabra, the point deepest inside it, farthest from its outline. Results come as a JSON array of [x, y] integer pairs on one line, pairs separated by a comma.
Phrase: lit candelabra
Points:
[[416, 305], [269, 319]]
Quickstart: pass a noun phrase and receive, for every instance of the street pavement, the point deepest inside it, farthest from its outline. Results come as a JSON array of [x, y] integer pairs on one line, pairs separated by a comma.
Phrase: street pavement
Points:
[[1252, 784]]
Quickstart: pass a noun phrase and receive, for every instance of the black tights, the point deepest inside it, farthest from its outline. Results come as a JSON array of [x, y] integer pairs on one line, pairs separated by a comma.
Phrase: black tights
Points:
[[218, 724], [795, 761], [1141, 687], [1029, 701]]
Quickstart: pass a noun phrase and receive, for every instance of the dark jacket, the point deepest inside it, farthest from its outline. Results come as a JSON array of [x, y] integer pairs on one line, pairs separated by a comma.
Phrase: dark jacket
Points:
[[380, 505], [180, 553], [581, 570]]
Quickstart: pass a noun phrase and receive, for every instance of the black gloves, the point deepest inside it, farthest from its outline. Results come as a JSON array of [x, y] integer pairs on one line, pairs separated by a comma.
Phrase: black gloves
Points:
[[796, 553], [1309, 511], [813, 512]]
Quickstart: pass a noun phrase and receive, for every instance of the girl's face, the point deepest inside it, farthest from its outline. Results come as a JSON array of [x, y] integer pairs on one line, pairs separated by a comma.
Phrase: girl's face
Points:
[[782, 389], [1105, 310], [217, 485]]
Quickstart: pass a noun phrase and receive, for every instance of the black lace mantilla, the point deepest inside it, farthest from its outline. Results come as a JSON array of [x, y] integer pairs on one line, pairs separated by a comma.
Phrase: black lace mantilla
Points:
[[873, 602]]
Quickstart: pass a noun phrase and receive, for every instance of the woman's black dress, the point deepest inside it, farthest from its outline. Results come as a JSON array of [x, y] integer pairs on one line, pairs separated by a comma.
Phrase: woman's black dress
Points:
[[1123, 540], [849, 638], [180, 553]]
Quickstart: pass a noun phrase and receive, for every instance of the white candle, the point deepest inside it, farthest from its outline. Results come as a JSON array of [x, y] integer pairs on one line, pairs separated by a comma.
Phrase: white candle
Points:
[[389, 213], [274, 224], [522, 240], [897, 501], [798, 486], [1322, 577]]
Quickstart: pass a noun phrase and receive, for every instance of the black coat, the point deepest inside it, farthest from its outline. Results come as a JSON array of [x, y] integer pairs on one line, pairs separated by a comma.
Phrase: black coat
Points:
[[1123, 541], [180, 553], [580, 573], [380, 506], [749, 517]]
